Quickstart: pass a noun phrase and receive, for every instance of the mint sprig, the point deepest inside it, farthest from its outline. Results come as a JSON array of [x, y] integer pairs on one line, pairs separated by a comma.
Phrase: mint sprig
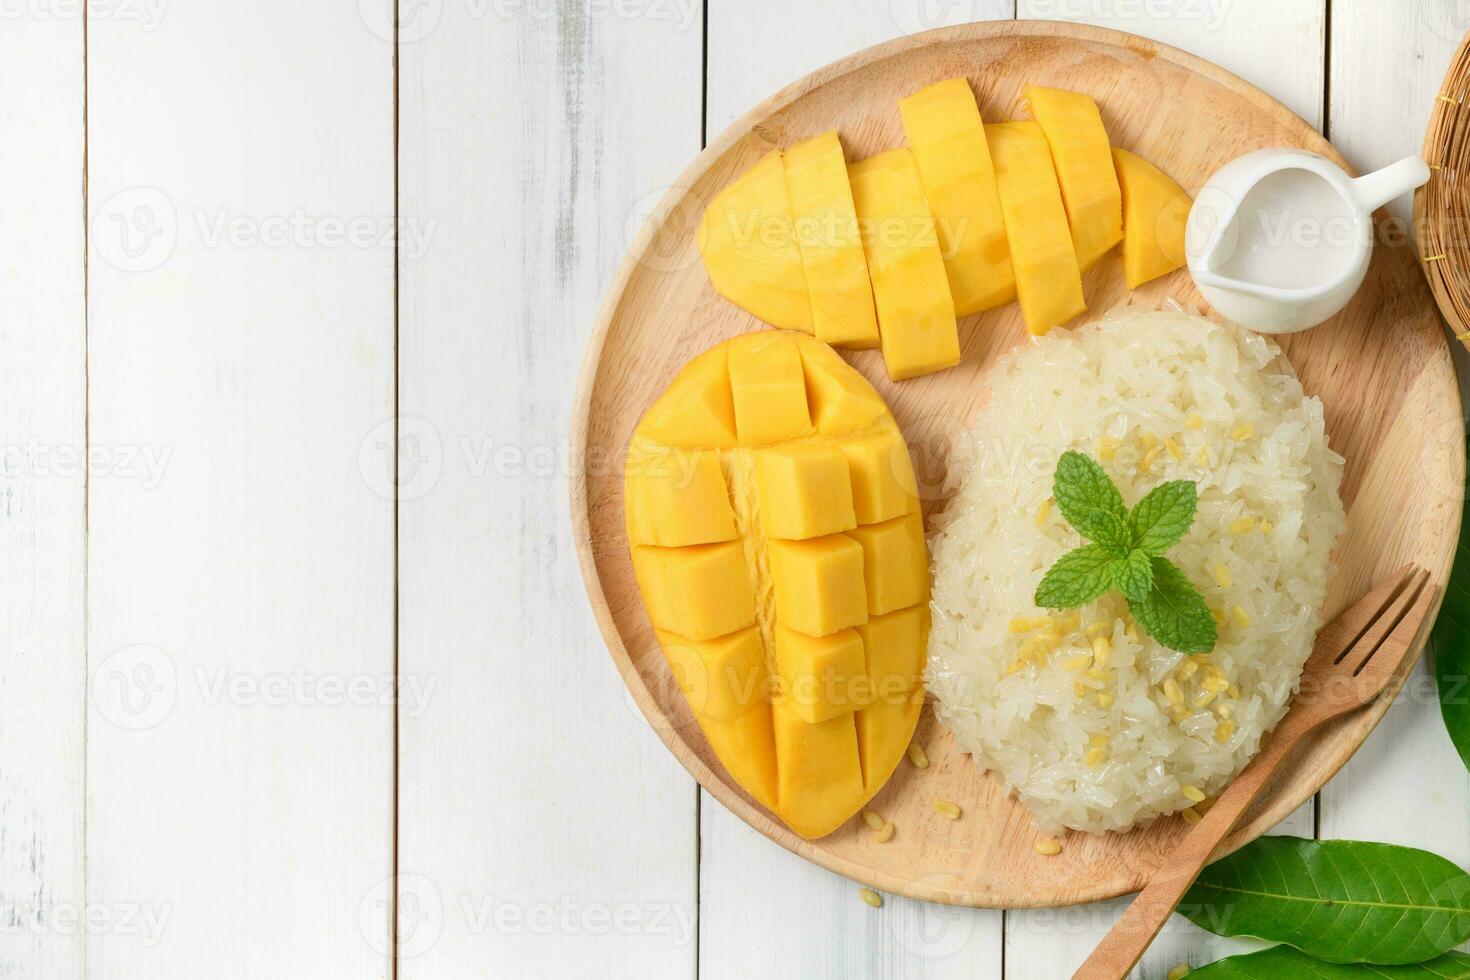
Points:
[[1126, 554]]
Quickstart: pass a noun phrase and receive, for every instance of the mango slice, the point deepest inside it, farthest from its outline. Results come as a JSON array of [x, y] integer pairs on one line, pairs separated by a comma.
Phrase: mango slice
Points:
[[1048, 276], [1082, 155], [916, 316], [831, 249], [798, 635], [748, 241], [944, 132], [1155, 210]]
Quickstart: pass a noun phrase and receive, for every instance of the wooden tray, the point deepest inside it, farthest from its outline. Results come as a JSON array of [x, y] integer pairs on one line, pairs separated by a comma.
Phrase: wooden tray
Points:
[[1382, 368]]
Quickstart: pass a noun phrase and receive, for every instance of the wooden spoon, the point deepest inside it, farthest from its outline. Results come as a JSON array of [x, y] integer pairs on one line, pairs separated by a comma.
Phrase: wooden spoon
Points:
[[1353, 660]]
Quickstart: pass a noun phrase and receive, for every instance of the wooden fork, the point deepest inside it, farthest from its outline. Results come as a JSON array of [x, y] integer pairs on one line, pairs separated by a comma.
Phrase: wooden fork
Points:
[[1354, 658]]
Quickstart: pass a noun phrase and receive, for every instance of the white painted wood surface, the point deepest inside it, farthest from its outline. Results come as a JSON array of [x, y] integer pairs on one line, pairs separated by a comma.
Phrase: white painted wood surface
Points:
[[557, 833], [240, 734], [197, 740], [42, 498]]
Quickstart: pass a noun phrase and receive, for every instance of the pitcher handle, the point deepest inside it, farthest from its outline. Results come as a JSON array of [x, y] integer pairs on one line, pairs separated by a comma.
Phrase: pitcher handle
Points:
[[1373, 191]]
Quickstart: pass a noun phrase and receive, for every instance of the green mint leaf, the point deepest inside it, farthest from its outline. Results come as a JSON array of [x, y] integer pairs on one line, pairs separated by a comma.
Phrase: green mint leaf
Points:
[[1085, 495], [1162, 517], [1174, 613], [1077, 578], [1135, 575], [1111, 533]]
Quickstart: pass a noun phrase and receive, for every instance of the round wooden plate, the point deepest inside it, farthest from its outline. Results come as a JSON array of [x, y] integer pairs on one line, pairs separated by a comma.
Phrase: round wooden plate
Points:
[[1382, 368]]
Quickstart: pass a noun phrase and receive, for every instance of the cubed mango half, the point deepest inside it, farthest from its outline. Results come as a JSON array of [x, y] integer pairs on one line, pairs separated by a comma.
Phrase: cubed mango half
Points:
[[758, 555]]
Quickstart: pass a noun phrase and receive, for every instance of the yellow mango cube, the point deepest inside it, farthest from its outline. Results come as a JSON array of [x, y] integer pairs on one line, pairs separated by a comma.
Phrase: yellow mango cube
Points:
[[819, 584], [942, 123], [722, 678], [768, 389], [1048, 277], [1083, 158], [882, 475], [819, 772], [748, 242], [696, 411], [1155, 210], [893, 649], [840, 399], [699, 592], [747, 747], [895, 563], [831, 249], [821, 677], [804, 491], [916, 315], [677, 497]]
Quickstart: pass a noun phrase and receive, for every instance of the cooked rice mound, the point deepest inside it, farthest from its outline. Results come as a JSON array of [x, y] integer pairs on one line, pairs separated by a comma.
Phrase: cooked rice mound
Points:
[[1091, 722]]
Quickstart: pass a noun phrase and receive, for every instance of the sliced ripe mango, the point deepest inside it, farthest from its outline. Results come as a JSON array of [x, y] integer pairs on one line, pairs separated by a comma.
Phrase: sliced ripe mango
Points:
[[768, 632], [748, 241], [700, 592], [831, 249], [768, 388], [819, 770], [722, 678], [882, 473], [915, 312], [822, 677], [894, 647], [1082, 156], [1048, 278], [895, 563], [942, 123], [747, 747], [840, 399], [819, 584], [695, 410], [805, 491], [1155, 210], [682, 498]]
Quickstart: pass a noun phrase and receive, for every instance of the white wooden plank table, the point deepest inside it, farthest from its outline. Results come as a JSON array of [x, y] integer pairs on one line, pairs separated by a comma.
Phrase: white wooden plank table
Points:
[[295, 661]]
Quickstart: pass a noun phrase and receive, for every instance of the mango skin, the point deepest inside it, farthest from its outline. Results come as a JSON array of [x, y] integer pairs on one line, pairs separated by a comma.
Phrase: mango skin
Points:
[[809, 710]]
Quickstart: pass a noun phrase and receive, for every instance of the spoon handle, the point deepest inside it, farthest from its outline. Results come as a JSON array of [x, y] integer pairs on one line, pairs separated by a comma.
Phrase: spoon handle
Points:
[[1125, 944]]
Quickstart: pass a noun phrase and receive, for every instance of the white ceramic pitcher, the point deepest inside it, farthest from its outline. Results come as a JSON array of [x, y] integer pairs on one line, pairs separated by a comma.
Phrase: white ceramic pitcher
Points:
[[1279, 240]]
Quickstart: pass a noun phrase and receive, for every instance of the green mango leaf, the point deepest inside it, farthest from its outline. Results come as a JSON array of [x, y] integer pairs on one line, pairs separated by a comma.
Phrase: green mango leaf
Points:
[[1450, 645], [1337, 900], [1285, 963]]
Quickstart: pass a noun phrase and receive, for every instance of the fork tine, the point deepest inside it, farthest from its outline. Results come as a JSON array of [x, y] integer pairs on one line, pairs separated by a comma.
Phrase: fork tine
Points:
[[1354, 657], [1340, 634], [1388, 654]]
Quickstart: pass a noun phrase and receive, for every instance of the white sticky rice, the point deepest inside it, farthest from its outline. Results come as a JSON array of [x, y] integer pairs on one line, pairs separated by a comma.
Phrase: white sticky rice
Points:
[[1153, 396]]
